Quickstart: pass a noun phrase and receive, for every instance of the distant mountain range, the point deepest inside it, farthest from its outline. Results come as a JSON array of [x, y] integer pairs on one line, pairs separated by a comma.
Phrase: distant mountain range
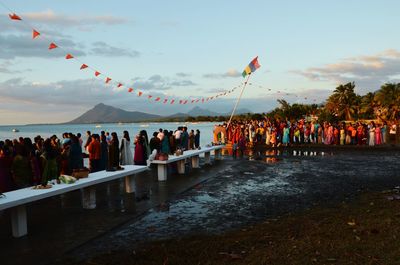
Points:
[[102, 113]]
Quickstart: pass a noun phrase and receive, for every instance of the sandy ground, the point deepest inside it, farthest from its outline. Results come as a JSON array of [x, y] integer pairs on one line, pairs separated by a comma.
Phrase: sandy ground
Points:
[[231, 195]]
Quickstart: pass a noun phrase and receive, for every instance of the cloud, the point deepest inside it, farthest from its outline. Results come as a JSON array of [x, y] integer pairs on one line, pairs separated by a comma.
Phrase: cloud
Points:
[[7, 65], [49, 17], [12, 46], [183, 83], [369, 72], [159, 83], [102, 48], [183, 74], [229, 73]]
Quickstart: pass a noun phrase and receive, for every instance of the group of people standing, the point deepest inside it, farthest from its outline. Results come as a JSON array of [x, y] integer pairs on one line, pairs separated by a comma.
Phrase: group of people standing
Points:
[[24, 162], [277, 132]]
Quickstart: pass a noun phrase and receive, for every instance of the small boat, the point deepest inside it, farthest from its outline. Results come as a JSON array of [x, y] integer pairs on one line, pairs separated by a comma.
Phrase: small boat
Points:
[[144, 125], [98, 126], [15, 130]]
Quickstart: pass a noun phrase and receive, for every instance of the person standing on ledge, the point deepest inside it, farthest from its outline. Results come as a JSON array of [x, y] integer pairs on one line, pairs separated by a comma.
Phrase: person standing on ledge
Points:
[[126, 153], [197, 139], [94, 149]]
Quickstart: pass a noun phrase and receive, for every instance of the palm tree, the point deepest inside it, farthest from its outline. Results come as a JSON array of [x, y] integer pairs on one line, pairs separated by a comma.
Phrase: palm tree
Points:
[[343, 101], [388, 98], [369, 105]]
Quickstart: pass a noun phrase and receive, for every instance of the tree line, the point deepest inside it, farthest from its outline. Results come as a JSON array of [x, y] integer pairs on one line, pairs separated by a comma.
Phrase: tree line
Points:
[[342, 104]]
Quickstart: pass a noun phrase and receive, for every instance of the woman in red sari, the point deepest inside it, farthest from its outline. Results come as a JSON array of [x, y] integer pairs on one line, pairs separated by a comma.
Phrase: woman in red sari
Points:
[[139, 156], [378, 135]]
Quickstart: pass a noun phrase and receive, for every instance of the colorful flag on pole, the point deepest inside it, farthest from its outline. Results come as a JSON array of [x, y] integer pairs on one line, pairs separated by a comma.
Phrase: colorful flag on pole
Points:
[[252, 67]]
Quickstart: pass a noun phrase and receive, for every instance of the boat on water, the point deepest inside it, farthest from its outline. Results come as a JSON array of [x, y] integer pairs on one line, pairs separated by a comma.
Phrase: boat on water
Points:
[[15, 130], [144, 125], [98, 126]]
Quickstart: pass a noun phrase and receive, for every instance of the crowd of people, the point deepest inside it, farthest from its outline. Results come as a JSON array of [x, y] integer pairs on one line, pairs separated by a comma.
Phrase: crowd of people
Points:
[[276, 133], [24, 162]]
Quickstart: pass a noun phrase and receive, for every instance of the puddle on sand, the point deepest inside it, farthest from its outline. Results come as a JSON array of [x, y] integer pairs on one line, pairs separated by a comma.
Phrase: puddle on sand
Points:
[[215, 206]]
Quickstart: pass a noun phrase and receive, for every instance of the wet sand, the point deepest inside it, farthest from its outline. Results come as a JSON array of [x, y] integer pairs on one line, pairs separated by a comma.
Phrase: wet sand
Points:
[[232, 194]]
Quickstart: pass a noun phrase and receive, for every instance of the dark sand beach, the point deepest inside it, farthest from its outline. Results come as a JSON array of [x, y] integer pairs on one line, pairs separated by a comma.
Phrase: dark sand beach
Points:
[[314, 205]]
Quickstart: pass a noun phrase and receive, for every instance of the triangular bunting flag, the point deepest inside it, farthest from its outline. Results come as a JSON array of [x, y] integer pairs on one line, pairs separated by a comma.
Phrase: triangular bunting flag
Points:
[[108, 80], [97, 73], [172, 101], [192, 101], [69, 56], [165, 100], [35, 34], [83, 66], [149, 96], [130, 89], [140, 93], [52, 46], [14, 16], [119, 85], [157, 99]]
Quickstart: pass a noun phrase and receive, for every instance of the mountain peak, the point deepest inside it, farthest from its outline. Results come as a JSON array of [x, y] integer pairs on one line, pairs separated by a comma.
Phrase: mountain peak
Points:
[[102, 113]]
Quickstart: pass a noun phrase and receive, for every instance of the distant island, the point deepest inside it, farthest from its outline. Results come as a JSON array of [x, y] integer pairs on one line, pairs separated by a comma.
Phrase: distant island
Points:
[[102, 113]]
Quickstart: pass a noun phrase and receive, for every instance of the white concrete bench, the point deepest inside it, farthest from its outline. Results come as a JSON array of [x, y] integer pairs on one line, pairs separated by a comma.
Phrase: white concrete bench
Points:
[[17, 200], [193, 154]]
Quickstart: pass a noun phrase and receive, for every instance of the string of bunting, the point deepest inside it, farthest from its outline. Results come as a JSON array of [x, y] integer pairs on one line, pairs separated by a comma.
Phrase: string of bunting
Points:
[[108, 80], [283, 93]]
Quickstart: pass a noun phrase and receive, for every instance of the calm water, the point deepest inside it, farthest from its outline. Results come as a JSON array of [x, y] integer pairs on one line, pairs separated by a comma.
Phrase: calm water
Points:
[[6, 132]]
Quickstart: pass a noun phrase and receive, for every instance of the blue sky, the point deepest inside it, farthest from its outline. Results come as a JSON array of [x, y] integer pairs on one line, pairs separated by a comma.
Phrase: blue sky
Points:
[[190, 49]]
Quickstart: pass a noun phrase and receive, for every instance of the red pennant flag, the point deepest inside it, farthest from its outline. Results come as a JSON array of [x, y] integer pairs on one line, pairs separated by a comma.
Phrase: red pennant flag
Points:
[[119, 85], [97, 73], [172, 101], [69, 56], [130, 89], [185, 102], [165, 100], [157, 99], [202, 100], [14, 16], [108, 80], [197, 100], [52, 46], [149, 96], [140, 93], [35, 33], [83, 66], [180, 101], [192, 101]]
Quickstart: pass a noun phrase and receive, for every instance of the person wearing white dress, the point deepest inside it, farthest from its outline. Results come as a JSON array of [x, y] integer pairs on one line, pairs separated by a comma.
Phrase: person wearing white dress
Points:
[[372, 134], [126, 157]]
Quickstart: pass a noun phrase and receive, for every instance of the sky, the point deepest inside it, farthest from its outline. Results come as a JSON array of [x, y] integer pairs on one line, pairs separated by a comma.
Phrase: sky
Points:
[[189, 50]]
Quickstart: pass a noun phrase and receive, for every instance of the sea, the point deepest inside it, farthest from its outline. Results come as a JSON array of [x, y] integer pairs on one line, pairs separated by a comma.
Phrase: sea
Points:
[[45, 131]]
